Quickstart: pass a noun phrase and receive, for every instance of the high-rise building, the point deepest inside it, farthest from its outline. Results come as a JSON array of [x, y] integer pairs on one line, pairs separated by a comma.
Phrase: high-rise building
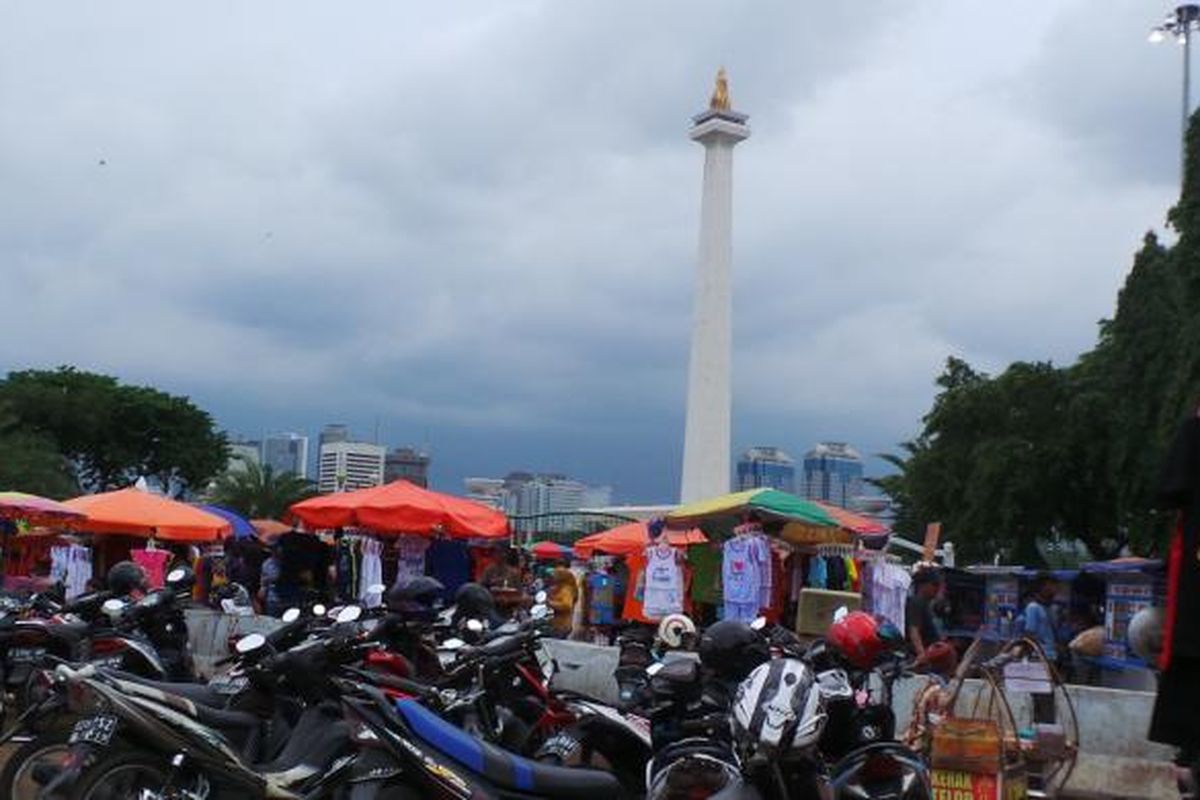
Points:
[[335, 432], [241, 455], [524, 494], [706, 438], [286, 453], [345, 466], [488, 491], [766, 468], [407, 463], [833, 473]]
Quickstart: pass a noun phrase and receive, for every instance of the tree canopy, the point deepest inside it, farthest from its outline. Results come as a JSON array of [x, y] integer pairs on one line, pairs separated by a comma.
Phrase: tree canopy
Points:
[[1040, 452], [107, 433], [257, 491]]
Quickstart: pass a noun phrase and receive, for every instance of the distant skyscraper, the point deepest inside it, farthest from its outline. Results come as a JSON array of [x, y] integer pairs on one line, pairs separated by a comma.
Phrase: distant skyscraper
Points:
[[330, 434], [346, 466], [766, 468], [408, 464], [242, 454], [488, 491], [286, 453], [833, 472]]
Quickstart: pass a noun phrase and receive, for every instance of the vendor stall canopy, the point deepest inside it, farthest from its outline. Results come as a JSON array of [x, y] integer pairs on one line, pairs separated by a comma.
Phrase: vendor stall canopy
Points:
[[550, 551], [34, 510], [136, 512], [626, 540], [401, 507]]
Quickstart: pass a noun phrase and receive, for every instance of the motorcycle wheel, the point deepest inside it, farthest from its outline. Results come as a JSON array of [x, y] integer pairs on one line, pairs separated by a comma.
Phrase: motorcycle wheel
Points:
[[120, 775], [48, 749]]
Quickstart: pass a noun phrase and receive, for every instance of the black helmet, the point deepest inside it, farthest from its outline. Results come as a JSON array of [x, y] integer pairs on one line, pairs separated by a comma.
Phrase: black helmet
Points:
[[474, 601], [420, 597], [125, 576], [731, 649]]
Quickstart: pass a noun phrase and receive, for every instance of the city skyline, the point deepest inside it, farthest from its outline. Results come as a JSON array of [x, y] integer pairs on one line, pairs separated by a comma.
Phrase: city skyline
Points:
[[326, 234]]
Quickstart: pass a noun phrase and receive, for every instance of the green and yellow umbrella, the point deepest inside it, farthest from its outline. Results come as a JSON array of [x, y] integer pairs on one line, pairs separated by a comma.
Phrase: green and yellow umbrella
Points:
[[802, 521]]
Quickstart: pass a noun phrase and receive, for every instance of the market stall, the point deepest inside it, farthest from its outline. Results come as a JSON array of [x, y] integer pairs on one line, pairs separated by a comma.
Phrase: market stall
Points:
[[31, 526], [386, 534]]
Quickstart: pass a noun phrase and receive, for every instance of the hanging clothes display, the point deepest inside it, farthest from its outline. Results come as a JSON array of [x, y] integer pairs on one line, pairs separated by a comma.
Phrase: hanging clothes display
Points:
[[154, 562], [347, 561], [888, 591], [663, 593], [450, 563], [601, 599], [705, 561], [410, 558], [72, 566], [371, 572], [745, 573]]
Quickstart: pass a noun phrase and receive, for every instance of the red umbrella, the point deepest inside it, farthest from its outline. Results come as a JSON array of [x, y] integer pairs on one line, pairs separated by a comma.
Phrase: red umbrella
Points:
[[550, 551], [625, 540], [402, 507]]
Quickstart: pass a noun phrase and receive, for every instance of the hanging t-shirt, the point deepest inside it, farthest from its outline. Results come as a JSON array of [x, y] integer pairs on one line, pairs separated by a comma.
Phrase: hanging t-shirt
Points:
[[663, 581], [742, 568], [601, 589], [482, 558], [410, 558], [773, 609], [450, 563], [154, 562], [818, 577], [705, 561], [371, 573]]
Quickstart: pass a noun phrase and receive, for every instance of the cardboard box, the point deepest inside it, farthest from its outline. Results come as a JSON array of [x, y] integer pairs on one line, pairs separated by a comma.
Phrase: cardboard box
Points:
[[951, 784]]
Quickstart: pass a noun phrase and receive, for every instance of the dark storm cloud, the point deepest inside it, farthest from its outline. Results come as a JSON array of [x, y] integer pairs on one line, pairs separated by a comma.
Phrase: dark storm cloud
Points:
[[477, 222]]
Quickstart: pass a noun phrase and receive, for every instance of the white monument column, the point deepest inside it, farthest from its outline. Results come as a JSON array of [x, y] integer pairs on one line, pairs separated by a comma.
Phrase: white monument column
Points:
[[706, 442]]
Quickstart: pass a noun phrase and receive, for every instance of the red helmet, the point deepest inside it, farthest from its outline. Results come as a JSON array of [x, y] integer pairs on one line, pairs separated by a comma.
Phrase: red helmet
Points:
[[856, 637]]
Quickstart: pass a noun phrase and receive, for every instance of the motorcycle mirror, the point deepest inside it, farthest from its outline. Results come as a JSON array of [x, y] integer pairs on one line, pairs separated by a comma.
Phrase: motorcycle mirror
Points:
[[540, 598], [453, 644], [759, 623], [250, 643], [474, 626], [291, 615], [319, 610], [349, 614], [112, 607], [176, 575]]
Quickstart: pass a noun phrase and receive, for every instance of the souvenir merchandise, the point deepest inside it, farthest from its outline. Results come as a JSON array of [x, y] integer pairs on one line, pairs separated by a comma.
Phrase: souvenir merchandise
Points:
[[705, 561], [450, 563], [371, 573], [887, 588], [601, 599], [746, 569], [154, 562], [410, 558], [72, 566], [663, 579]]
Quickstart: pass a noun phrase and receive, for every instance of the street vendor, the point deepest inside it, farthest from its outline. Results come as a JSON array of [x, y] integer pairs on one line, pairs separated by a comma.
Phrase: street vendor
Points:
[[924, 637], [504, 580]]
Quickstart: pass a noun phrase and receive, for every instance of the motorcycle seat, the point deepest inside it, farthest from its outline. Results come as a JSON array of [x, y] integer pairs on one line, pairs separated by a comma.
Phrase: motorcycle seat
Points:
[[70, 632], [320, 734], [504, 769], [503, 646], [198, 693]]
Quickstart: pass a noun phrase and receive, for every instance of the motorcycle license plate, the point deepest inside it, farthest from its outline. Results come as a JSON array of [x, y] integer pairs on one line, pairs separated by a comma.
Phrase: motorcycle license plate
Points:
[[25, 655], [229, 684], [98, 730]]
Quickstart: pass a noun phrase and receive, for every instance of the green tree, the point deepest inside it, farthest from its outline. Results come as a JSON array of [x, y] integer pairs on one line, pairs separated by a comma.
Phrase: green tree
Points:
[[111, 433], [257, 491], [29, 462]]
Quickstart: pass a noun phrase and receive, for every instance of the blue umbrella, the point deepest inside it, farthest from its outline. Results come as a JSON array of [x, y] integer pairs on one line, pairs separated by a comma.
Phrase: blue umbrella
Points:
[[242, 529]]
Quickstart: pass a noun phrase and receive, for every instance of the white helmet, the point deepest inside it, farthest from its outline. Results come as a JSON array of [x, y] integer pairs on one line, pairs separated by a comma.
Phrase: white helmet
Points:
[[673, 628], [778, 708], [1145, 633]]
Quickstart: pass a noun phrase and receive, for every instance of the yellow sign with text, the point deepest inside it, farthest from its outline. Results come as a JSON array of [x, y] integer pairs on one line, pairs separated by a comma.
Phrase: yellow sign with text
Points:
[[951, 784]]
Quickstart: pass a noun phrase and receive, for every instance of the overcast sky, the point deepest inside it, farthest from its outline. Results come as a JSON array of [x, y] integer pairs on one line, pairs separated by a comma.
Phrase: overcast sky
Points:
[[476, 223]]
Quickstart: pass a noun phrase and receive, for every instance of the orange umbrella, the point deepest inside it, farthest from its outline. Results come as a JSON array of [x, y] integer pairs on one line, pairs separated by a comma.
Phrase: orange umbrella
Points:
[[402, 507], [625, 540], [135, 512], [269, 528]]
